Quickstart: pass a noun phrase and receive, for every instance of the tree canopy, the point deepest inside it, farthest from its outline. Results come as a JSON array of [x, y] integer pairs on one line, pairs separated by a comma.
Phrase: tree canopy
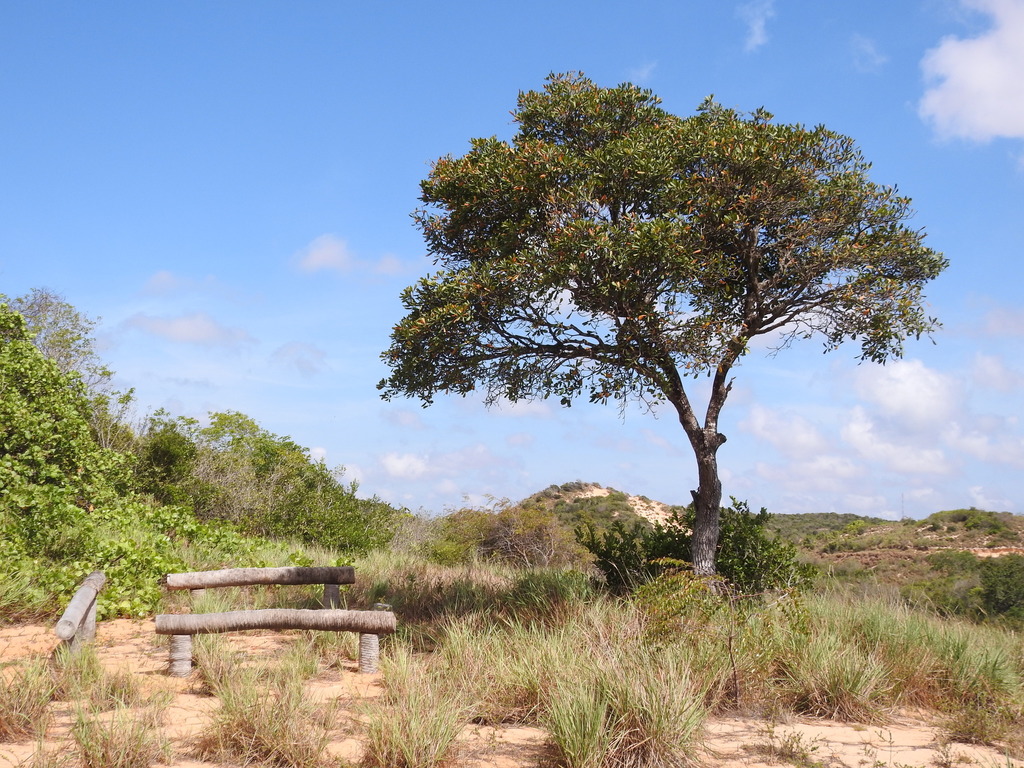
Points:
[[613, 249]]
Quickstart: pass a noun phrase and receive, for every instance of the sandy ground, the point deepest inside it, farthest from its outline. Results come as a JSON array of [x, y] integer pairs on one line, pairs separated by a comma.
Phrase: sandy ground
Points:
[[729, 741]]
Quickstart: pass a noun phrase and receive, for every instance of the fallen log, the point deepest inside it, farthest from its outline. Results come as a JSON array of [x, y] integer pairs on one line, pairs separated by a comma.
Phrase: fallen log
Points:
[[366, 622], [244, 577]]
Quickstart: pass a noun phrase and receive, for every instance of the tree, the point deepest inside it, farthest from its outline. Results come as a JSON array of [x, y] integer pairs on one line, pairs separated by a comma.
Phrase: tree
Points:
[[65, 336], [46, 446], [62, 333], [234, 469], [614, 249]]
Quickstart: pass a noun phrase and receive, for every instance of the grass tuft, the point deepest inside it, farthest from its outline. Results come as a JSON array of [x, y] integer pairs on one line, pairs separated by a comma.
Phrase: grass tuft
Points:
[[264, 717], [122, 738], [25, 691], [416, 723]]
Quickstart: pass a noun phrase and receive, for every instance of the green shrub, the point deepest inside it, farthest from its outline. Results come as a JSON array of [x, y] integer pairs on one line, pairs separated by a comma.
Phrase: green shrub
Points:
[[1002, 586], [748, 556], [524, 535]]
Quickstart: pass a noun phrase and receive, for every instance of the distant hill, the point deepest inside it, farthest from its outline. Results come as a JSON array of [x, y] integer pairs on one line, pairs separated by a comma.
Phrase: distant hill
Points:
[[796, 528], [577, 503], [890, 550]]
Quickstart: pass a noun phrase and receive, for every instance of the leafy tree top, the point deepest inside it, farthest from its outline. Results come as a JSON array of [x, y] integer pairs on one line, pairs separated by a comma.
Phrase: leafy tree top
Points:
[[45, 440], [612, 248]]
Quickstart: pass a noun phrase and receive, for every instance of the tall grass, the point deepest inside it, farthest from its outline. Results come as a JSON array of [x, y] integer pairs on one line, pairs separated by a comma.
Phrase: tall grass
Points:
[[416, 722], [528, 642], [645, 711], [20, 598], [80, 675], [265, 717], [122, 738], [26, 690]]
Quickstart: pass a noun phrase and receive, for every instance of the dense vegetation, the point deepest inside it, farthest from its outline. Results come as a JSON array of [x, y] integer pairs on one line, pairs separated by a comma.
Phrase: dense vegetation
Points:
[[84, 489]]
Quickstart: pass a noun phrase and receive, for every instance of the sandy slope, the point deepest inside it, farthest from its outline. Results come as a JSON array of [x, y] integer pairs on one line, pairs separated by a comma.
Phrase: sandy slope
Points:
[[731, 741]]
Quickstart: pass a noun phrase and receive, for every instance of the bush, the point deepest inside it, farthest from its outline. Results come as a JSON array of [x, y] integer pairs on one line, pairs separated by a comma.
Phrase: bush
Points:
[[748, 556], [1002, 586], [525, 535], [268, 485]]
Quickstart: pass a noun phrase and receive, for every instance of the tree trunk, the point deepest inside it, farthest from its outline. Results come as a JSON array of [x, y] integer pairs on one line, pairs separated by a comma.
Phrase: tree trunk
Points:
[[707, 500]]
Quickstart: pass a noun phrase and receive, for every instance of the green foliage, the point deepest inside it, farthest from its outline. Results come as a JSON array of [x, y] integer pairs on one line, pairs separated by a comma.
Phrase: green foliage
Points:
[[47, 453], [748, 557], [525, 535], [952, 586], [70, 506], [233, 469], [979, 520], [677, 602], [797, 528], [1002, 586], [61, 333], [599, 511]]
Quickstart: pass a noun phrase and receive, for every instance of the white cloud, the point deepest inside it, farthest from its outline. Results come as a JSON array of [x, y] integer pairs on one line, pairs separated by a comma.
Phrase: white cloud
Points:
[[1004, 322], [318, 453], [307, 359], [992, 443], [992, 372], [389, 264], [522, 408], [326, 252], [194, 328], [788, 432], [873, 506], [862, 434], [331, 253], [755, 15], [163, 282], [520, 439], [866, 56], [825, 473], [405, 466], [447, 487], [984, 499], [976, 85], [911, 393]]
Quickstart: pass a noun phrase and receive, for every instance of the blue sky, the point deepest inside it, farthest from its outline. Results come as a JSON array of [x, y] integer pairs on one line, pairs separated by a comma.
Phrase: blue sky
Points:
[[228, 187]]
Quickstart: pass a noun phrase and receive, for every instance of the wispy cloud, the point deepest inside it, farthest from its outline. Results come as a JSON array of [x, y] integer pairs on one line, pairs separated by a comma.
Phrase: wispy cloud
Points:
[[866, 55], [790, 433], [165, 282], [404, 418], [194, 328], [640, 75], [326, 252], [307, 359], [1004, 322], [976, 85], [330, 253], [992, 372], [755, 15]]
